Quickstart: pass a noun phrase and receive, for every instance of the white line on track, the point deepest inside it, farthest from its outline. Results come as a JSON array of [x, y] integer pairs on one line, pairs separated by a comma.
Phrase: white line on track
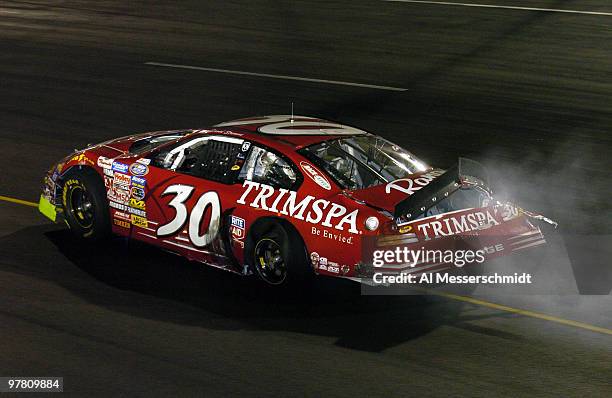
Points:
[[448, 3], [303, 79]]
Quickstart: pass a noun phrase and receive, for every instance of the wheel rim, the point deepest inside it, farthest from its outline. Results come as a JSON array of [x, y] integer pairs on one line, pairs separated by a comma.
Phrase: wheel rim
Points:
[[81, 207], [269, 261]]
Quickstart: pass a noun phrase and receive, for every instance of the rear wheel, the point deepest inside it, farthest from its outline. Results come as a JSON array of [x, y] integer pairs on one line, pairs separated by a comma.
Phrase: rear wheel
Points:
[[279, 258], [85, 205]]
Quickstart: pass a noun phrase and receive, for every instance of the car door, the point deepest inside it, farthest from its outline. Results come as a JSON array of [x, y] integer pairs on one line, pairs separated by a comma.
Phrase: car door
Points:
[[190, 185]]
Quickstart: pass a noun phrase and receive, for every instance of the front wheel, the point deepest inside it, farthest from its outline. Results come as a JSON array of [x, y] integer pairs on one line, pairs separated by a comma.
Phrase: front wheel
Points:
[[85, 205], [279, 258]]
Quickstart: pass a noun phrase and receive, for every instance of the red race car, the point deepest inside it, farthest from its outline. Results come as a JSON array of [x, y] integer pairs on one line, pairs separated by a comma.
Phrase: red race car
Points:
[[281, 197]]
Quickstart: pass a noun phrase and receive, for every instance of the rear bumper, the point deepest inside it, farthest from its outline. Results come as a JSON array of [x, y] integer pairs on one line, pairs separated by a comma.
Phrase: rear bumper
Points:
[[439, 241]]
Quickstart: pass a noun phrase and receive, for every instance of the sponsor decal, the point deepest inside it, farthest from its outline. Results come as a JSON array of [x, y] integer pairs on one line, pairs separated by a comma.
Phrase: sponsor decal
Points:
[[138, 182], [324, 264], [457, 224], [332, 235], [125, 208], [333, 267], [82, 159], [345, 269], [105, 163], [108, 172], [410, 185], [238, 222], [138, 193], [405, 229], [138, 204], [241, 156], [139, 221], [237, 227], [121, 216], [235, 167], [139, 169], [118, 194], [314, 259], [317, 177], [122, 181], [118, 206], [237, 233], [144, 161], [138, 212], [245, 146], [121, 223], [120, 167], [315, 211]]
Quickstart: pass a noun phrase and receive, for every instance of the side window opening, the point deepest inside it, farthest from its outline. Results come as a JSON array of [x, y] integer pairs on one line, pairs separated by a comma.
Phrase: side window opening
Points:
[[204, 157], [266, 167], [211, 162], [343, 168], [363, 161]]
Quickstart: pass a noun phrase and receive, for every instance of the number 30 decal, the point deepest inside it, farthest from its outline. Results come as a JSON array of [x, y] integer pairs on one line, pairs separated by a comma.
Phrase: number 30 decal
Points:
[[182, 193]]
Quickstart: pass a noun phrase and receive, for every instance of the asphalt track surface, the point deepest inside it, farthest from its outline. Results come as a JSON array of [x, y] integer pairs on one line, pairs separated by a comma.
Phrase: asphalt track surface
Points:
[[527, 92]]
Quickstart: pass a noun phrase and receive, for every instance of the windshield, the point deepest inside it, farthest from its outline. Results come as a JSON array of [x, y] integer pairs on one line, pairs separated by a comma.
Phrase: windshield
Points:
[[148, 143], [363, 161]]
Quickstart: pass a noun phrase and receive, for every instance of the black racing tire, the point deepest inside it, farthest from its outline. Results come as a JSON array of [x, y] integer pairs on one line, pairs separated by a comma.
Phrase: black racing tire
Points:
[[278, 257], [85, 205]]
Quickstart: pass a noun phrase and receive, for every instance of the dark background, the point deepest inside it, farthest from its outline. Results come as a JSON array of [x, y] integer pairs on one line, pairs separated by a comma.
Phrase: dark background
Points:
[[527, 93]]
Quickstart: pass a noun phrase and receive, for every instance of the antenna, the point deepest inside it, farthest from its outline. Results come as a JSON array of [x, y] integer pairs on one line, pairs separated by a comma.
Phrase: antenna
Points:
[[291, 112]]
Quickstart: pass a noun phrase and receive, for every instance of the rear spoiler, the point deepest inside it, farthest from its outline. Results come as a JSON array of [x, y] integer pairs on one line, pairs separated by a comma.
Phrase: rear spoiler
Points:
[[439, 189]]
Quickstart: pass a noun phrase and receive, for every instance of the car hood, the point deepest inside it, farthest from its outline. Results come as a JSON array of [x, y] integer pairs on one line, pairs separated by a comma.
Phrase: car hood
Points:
[[138, 143]]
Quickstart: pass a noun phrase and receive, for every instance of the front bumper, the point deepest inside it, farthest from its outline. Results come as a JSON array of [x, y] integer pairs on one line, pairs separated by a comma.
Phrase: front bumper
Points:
[[47, 208]]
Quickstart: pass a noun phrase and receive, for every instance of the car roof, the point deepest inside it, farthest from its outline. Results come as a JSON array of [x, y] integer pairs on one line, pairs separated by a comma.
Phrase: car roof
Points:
[[295, 131]]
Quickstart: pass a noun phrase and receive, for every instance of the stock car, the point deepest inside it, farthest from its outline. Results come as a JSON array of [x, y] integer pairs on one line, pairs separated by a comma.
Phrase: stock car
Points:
[[281, 197]]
